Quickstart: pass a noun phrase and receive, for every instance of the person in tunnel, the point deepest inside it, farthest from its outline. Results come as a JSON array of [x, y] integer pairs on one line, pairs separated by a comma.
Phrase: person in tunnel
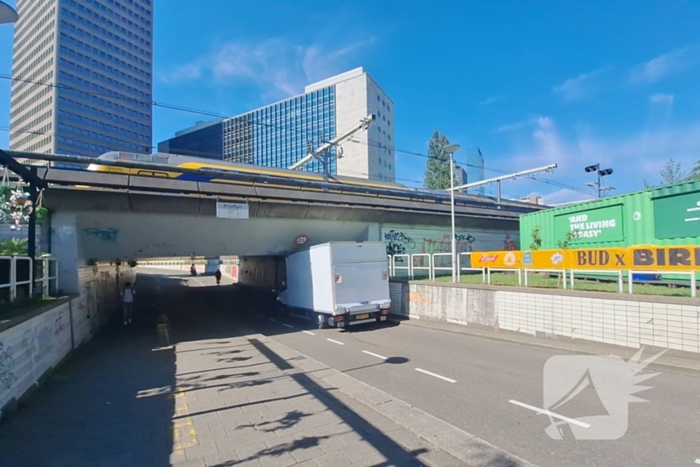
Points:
[[128, 295], [217, 274]]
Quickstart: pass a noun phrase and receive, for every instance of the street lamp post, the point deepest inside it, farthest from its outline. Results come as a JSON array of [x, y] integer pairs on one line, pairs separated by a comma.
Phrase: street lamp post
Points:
[[600, 173], [451, 149], [7, 14]]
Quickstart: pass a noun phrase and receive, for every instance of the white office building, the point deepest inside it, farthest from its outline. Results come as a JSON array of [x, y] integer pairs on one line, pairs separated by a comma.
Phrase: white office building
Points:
[[280, 134], [82, 74]]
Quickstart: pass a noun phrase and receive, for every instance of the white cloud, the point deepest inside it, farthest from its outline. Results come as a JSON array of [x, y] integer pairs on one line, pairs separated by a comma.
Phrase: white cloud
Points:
[[662, 99], [579, 87], [516, 125], [492, 100], [664, 65], [633, 157], [277, 66], [563, 196]]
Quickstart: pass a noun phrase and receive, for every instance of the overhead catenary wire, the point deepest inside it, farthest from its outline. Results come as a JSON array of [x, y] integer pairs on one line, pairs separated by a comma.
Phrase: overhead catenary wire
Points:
[[154, 103]]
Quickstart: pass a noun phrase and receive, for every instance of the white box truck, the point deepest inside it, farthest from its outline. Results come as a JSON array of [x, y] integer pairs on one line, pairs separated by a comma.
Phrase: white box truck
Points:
[[338, 284]]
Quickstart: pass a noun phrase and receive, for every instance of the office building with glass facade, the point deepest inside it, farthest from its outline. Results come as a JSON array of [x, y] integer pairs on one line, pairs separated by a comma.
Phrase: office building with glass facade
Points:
[[280, 134], [83, 76], [460, 176], [475, 171]]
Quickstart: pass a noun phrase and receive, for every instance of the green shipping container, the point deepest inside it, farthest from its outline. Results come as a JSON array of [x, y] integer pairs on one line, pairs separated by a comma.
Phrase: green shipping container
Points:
[[662, 216]]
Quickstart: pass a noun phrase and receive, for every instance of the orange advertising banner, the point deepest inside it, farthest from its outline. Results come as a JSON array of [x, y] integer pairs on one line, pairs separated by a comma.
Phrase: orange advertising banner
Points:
[[637, 258], [497, 259]]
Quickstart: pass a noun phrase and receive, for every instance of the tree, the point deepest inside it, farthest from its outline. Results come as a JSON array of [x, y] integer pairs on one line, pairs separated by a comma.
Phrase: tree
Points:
[[437, 172], [536, 239], [570, 236], [673, 173], [694, 172]]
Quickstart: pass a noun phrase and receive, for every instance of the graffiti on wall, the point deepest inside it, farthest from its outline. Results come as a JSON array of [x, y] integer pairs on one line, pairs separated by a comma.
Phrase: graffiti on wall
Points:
[[409, 241], [106, 235], [7, 366], [397, 243]]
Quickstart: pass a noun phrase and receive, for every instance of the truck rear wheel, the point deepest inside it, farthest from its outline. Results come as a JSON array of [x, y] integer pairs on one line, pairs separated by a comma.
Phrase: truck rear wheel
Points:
[[321, 321]]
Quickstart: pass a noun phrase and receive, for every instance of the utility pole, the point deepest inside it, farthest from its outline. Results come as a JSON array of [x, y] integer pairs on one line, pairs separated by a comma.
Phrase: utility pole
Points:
[[599, 174]]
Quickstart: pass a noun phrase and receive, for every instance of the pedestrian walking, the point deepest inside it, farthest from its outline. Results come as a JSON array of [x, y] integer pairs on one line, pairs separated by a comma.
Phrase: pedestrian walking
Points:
[[128, 295]]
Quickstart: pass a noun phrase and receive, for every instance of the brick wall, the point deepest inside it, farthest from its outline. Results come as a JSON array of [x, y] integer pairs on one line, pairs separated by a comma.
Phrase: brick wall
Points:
[[30, 349], [631, 321]]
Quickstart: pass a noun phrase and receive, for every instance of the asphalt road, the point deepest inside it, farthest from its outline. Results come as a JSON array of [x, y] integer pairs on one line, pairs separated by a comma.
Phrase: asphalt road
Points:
[[493, 389]]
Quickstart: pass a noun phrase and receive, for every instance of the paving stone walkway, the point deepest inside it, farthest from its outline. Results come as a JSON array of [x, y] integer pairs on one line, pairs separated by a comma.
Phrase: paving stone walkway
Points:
[[240, 403]]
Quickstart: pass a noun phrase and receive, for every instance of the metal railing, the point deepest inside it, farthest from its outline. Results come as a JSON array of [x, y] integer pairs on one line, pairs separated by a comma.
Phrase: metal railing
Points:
[[461, 268], [619, 274], [568, 276], [429, 267], [436, 257], [407, 268], [559, 271], [693, 279], [16, 274]]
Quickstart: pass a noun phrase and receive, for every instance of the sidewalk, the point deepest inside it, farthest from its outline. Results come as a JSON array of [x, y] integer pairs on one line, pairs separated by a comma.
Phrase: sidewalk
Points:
[[239, 402]]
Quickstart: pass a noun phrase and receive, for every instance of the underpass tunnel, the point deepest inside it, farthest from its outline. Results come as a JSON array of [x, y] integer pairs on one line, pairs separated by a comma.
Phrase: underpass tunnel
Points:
[[248, 286]]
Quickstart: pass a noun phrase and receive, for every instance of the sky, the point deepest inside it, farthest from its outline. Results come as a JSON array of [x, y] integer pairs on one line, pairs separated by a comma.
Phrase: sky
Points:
[[529, 83]]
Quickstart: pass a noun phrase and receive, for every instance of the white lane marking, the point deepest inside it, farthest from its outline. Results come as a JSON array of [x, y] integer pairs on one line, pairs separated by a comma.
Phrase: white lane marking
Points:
[[374, 355], [551, 414], [287, 325], [273, 320], [436, 376], [335, 342], [309, 332]]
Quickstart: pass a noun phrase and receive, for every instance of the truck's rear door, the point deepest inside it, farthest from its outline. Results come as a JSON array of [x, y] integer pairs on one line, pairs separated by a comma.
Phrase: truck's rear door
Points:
[[361, 286]]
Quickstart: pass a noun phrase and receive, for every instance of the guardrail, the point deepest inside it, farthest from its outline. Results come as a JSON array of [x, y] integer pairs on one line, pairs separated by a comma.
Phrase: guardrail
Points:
[[568, 276], [16, 274]]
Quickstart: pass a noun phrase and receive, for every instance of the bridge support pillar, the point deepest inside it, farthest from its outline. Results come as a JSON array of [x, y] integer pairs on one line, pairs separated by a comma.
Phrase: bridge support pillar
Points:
[[64, 245], [374, 233]]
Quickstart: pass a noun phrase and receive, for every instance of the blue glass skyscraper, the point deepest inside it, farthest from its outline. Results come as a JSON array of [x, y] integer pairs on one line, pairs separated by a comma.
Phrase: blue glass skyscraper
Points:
[[83, 72]]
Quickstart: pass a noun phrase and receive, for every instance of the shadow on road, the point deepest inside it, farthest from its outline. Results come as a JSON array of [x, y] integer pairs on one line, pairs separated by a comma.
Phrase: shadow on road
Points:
[[119, 400]]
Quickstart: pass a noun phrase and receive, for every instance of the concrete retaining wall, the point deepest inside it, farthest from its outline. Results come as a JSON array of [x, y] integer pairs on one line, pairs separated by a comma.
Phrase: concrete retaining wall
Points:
[[31, 346], [263, 272], [627, 320]]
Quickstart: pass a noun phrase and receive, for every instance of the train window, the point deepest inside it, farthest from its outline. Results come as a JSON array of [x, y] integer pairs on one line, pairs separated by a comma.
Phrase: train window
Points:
[[160, 159]]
